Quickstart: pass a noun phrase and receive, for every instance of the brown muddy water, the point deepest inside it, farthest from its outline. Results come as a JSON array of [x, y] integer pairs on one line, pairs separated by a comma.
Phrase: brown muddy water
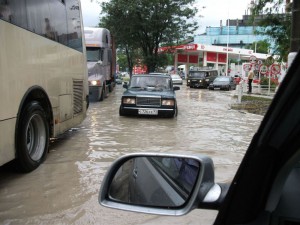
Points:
[[64, 189]]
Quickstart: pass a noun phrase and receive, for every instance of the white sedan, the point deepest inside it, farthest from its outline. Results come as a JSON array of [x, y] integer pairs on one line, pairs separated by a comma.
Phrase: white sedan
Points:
[[176, 79]]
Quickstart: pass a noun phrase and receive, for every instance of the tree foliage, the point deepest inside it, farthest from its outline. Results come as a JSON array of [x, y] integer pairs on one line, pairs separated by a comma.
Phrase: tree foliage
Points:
[[275, 17], [145, 25]]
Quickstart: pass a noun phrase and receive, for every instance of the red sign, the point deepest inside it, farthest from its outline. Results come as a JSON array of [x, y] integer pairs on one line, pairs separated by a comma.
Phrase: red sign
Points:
[[212, 56], [263, 69], [182, 58], [222, 58], [140, 69], [193, 59], [247, 67], [275, 69], [190, 47]]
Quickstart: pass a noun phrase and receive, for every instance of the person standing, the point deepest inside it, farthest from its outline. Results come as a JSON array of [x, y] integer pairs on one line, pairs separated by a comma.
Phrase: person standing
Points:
[[250, 79]]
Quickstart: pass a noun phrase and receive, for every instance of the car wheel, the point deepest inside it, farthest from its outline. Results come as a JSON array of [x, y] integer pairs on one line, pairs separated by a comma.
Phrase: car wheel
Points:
[[32, 137], [175, 112], [121, 113]]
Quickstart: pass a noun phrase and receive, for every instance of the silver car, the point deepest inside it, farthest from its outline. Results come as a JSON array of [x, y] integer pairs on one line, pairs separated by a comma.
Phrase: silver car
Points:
[[176, 79]]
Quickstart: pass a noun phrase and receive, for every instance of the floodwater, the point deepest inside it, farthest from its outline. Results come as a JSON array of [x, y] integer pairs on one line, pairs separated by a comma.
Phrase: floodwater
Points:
[[64, 189]]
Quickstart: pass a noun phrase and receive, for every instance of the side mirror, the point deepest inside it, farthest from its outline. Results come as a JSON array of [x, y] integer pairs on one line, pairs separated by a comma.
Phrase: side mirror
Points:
[[160, 184], [100, 62], [125, 85], [175, 88]]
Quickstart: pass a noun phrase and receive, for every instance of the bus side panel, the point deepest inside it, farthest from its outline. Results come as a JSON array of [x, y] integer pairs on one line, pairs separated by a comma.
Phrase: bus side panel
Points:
[[28, 60], [7, 135]]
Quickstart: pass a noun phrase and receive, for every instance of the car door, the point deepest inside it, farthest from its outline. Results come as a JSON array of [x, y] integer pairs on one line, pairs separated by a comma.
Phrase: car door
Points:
[[263, 189]]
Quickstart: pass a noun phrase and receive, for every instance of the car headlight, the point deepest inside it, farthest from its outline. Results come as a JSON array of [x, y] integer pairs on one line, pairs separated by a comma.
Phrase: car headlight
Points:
[[170, 102], [95, 83], [128, 100]]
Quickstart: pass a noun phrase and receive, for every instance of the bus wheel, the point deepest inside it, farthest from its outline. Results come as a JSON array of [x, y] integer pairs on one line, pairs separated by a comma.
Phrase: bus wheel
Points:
[[32, 137]]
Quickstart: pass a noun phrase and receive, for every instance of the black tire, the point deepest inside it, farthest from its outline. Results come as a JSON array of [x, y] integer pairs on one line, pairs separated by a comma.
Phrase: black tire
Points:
[[176, 112], [102, 94], [121, 113], [32, 138]]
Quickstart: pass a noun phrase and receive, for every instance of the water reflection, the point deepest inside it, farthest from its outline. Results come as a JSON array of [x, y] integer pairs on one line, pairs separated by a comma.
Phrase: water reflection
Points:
[[65, 188]]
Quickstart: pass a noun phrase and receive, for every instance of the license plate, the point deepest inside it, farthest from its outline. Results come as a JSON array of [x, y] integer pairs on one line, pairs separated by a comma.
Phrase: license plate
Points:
[[148, 111]]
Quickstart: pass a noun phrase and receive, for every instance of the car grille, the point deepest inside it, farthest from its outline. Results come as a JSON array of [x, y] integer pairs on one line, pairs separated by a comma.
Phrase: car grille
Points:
[[148, 101]]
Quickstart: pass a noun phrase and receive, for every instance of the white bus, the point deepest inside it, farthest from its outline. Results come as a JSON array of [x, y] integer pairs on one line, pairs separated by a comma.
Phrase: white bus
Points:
[[43, 76]]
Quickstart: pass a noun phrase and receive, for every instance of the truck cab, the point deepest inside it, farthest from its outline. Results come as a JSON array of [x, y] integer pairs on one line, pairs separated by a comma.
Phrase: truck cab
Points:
[[100, 62]]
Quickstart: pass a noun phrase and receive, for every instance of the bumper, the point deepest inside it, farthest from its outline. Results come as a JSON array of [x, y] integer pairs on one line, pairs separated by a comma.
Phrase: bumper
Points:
[[140, 111], [95, 92], [198, 84], [221, 87]]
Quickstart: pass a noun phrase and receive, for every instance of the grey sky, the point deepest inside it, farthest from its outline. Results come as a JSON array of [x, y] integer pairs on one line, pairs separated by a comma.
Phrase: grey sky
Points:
[[211, 11]]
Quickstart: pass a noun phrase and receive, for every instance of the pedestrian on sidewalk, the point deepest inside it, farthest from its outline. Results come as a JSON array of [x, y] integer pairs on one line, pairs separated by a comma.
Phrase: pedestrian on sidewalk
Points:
[[250, 79]]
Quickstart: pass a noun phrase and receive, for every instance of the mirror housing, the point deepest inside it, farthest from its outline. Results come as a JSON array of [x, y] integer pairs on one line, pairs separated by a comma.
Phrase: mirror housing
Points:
[[204, 193], [175, 88], [125, 85]]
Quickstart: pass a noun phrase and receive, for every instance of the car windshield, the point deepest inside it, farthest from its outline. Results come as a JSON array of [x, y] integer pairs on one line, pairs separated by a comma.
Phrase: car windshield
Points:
[[198, 74], [222, 79], [144, 82], [175, 76]]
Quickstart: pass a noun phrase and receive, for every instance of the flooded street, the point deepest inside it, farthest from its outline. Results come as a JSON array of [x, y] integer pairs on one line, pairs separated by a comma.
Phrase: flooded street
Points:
[[64, 189]]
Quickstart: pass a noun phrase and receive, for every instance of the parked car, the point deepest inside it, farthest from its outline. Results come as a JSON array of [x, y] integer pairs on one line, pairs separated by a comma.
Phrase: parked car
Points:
[[149, 95], [201, 77], [223, 83], [265, 189], [119, 81], [176, 79]]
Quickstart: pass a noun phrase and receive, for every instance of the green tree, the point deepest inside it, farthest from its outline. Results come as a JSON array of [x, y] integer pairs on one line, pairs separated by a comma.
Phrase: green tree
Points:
[[145, 25], [277, 25]]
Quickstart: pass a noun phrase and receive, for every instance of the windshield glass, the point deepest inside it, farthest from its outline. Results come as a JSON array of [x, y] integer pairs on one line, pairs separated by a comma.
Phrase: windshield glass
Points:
[[93, 54], [198, 74], [222, 79], [150, 81], [175, 76]]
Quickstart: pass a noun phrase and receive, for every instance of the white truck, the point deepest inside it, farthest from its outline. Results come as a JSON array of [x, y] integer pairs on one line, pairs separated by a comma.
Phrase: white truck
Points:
[[101, 62]]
